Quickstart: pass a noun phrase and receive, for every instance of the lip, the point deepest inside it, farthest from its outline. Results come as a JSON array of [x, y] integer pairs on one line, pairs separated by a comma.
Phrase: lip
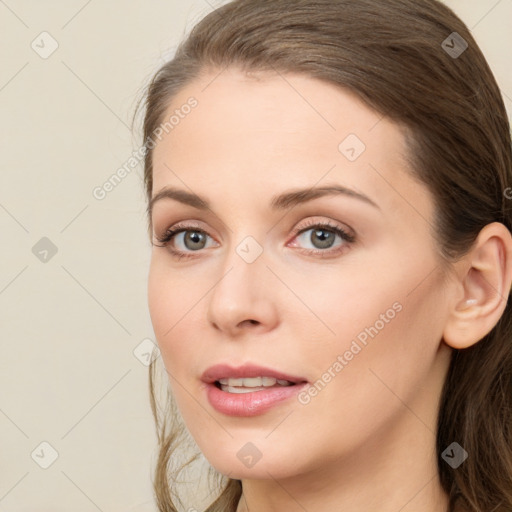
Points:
[[253, 403], [224, 371]]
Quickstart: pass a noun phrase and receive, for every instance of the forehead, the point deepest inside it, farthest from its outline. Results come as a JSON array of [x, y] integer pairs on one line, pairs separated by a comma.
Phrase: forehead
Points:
[[277, 132], [287, 113]]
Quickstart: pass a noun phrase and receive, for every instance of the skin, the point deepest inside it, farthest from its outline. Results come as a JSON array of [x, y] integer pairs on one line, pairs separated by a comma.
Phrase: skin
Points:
[[367, 440]]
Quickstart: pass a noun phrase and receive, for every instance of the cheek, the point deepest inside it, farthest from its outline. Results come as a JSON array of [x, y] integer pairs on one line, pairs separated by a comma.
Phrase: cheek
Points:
[[160, 301], [176, 306], [386, 326], [387, 352], [170, 301], [344, 305]]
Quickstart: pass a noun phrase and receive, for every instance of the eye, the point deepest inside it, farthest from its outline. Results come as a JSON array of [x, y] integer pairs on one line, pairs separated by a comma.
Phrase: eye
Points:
[[322, 237], [192, 239], [189, 239]]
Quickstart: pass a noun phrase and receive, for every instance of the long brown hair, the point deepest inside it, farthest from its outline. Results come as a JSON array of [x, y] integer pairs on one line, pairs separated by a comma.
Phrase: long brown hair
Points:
[[408, 60]]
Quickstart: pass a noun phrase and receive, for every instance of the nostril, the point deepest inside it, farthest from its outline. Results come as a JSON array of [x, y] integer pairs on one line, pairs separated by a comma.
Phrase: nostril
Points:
[[253, 322]]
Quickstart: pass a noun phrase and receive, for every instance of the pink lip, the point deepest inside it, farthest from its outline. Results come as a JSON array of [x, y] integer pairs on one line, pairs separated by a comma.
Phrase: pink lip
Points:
[[248, 404], [224, 371]]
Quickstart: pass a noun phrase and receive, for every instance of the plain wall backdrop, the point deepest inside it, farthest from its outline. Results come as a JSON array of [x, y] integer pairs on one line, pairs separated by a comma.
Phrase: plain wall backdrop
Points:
[[76, 431]]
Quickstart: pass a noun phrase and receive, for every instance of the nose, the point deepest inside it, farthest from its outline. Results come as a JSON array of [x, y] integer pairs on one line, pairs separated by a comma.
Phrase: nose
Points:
[[244, 298]]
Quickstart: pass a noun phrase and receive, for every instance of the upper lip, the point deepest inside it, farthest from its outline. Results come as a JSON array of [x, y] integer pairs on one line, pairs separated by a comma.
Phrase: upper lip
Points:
[[225, 371]]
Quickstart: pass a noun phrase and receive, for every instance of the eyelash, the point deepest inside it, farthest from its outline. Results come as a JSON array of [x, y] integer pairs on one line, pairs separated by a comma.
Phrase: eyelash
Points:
[[169, 235]]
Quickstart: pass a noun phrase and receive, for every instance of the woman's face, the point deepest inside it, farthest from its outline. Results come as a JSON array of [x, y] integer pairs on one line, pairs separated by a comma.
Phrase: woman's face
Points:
[[341, 293]]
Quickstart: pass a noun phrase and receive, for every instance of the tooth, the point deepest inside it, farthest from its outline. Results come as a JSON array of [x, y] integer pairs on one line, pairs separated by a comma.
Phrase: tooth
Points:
[[252, 382], [235, 389]]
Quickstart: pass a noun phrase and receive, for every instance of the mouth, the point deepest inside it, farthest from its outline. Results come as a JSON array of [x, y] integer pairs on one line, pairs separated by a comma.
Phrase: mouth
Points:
[[248, 390], [251, 384]]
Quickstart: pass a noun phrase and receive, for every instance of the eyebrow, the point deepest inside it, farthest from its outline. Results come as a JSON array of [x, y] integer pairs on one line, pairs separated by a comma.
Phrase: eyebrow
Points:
[[280, 202]]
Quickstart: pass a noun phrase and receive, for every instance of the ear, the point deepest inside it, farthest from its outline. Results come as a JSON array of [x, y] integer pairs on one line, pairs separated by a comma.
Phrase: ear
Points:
[[484, 278]]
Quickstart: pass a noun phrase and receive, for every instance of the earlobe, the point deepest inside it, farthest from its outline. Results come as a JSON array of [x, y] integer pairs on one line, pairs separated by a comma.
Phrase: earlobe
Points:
[[483, 286]]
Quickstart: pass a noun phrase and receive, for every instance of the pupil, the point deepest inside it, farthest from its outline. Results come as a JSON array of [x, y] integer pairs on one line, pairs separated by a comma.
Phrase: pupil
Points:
[[195, 238], [324, 238]]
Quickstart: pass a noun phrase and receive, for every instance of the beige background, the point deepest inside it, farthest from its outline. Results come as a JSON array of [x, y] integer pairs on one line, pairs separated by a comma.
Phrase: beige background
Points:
[[70, 323]]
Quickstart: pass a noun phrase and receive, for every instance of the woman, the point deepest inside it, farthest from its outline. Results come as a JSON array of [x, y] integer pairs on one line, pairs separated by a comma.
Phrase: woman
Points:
[[332, 258]]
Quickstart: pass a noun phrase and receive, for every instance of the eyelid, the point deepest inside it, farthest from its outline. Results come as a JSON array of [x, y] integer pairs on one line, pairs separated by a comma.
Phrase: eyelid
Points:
[[178, 228], [184, 225], [323, 223]]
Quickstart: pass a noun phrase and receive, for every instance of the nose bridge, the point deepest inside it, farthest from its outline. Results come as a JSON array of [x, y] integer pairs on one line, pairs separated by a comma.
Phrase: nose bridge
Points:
[[246, 244], [242, 292], [243, 271]]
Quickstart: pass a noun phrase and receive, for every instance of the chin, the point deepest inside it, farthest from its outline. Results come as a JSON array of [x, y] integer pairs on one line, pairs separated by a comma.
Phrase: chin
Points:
[[248, 462]]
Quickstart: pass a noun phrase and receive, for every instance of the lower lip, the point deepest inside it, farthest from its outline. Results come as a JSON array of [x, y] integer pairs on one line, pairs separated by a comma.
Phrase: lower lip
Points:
[[249, 404]]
